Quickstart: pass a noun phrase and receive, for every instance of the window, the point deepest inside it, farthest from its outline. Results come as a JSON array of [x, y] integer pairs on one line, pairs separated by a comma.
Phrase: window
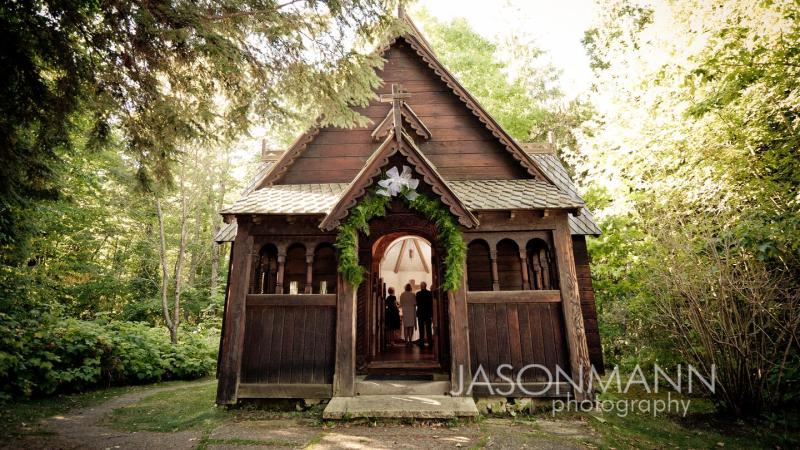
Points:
[[541, 267], [265, 274], [295, 269], [509, 266], [324, 270], [479, 266]]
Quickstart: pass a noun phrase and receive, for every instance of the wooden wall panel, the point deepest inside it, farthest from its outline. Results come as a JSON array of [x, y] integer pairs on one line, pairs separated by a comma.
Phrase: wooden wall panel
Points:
[[479, 267], [588, 306], [519, 334], [289, 345], [509, 266], [460, 147]]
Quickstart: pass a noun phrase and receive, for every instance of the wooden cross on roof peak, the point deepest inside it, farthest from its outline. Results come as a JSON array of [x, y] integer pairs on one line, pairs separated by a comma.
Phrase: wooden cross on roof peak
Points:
[[396, 99]]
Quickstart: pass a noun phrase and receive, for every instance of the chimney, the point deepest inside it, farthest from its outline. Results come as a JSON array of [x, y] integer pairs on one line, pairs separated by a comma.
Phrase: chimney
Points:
[[550, 138]]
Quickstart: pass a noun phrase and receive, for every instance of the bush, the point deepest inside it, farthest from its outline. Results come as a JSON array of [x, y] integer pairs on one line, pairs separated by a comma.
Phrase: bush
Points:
[[42, 355]]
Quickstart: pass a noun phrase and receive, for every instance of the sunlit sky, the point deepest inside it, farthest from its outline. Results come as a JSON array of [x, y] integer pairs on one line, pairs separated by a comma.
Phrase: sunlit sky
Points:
[[556, 25]]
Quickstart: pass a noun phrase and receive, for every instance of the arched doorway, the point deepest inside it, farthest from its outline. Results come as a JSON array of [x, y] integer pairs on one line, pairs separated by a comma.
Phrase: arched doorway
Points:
[[392, 244], [405, 262]]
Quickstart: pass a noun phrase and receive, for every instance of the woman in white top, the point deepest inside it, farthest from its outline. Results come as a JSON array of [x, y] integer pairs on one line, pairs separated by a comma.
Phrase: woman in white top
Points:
[[408, 303]]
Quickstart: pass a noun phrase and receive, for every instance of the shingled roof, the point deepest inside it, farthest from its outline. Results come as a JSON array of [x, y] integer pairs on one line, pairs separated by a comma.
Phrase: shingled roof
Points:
[[547, 160]]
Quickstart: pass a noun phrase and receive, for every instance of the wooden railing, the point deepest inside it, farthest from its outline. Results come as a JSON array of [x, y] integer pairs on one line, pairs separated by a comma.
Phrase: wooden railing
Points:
[[550, 296], [291, 300]]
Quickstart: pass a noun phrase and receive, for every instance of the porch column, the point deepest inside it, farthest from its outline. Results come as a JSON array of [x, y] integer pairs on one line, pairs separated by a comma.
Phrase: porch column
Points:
[[233, 339], [309, 288], [344, 375], [495, 276], [523, 264], [460, 365], [279, 276], [571, 308]]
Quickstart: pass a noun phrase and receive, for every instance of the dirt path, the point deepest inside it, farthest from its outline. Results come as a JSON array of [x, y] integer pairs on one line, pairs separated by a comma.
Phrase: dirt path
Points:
[[84, 429]]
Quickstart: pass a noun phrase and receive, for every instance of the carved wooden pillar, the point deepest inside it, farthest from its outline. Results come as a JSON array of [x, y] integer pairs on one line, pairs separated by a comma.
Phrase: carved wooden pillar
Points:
[[460, 368], [571, 306], [495, 275], [279, 277], [233, 339], [536, 283], [309, 289], [344, 374], [523, 260]]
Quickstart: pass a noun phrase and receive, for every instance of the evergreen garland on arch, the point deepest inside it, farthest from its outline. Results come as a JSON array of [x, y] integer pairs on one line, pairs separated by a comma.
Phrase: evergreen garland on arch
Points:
[[371, 206]]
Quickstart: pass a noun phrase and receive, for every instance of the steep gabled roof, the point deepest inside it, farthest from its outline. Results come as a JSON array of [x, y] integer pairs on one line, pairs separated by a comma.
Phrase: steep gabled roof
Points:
[[379, 160], [417, 42]]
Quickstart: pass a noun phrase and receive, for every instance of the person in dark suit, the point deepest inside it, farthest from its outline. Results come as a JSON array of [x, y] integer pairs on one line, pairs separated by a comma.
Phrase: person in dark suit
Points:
[[425, 314]]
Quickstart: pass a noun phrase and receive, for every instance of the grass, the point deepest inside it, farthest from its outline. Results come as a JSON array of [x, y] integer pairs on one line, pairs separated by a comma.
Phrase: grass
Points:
[[192, 408], [701, 428], [176, 410], [23, 417]]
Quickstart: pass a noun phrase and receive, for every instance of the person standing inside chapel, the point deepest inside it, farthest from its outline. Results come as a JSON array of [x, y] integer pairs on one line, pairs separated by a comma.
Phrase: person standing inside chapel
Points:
[[392, 316], [425, 314], [408, 304]]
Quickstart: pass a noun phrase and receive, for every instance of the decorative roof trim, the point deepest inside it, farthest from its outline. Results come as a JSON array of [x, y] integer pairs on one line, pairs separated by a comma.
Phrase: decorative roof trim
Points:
[[420, 45], [372, 168], [417, 42], [387, 124], [289, 156]]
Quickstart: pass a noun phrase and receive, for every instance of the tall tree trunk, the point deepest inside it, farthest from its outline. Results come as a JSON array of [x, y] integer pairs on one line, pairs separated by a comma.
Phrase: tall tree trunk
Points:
[[199, 184], [176, 309], [162, 252], [216, 249]]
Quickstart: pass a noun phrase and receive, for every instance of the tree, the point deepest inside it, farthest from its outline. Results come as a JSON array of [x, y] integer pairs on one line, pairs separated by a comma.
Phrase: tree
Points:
[[698, 145], [161, 74], [517, 103]]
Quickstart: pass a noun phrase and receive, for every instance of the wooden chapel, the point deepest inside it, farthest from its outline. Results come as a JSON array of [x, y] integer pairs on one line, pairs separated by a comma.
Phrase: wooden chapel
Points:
[[295, 328]]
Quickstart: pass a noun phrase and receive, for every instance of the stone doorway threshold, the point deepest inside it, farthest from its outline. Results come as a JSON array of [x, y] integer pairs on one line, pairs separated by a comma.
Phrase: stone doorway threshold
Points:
[[400, 406]]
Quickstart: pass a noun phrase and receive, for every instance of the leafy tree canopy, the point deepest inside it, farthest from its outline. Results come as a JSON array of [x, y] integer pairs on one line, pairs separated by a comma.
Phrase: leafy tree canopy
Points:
[[162, 73]]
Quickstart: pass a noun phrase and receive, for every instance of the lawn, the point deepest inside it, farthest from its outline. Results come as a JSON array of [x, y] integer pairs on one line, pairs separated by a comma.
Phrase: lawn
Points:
[[192, 408]]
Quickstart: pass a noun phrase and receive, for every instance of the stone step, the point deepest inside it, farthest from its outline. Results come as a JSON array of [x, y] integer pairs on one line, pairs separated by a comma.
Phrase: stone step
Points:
[[400, 406], [402, 387]]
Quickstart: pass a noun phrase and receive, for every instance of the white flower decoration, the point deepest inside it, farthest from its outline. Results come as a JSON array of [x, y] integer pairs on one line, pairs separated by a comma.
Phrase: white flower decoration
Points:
[[397, 183]]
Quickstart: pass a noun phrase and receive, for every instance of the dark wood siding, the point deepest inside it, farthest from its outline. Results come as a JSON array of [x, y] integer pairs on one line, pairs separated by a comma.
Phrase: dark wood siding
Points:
[[460, 147], [509, 269], [518, 328], [479, 266], [289, 343], [588, 306]]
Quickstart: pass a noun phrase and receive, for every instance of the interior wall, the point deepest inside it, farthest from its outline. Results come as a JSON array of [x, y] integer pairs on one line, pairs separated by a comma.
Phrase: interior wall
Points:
[[410, 268]]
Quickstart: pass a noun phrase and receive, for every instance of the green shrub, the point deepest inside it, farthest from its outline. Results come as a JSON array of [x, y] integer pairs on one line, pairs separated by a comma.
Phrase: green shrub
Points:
[[44, 355]]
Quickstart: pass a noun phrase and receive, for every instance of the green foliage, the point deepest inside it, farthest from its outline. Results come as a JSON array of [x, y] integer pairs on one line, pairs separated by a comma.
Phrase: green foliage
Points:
[[161, 74], [368, 208], [43, 355], [449, 237], [373, 205], [696, 151]]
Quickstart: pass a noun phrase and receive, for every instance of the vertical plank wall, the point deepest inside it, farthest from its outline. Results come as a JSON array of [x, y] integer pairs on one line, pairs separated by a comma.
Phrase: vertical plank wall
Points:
[[518, 334], [588, 307], [289, 344]]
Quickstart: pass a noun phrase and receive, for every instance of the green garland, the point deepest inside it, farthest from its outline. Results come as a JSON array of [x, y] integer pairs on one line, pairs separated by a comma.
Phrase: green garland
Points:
[[372, 206]]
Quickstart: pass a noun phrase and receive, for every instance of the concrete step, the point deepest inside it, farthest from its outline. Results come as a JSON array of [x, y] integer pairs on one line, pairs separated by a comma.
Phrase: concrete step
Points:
[[400, 406], [401, 387]]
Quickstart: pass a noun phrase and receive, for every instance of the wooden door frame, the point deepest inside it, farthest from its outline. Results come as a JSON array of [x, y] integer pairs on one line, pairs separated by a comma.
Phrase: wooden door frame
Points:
[[380, 245]]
